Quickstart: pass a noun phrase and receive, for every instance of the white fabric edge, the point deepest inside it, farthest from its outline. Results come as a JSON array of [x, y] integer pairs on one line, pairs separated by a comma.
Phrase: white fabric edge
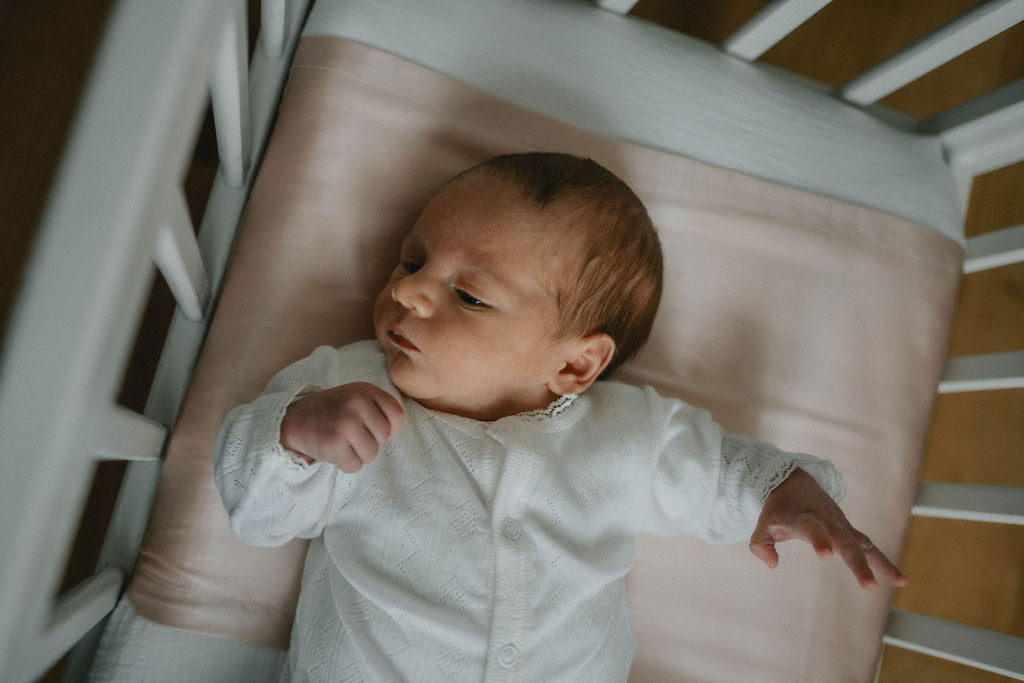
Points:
[[588, 67], [134, 649]]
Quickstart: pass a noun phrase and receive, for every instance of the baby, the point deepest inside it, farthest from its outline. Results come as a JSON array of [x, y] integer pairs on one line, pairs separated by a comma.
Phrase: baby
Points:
[[473, 492]]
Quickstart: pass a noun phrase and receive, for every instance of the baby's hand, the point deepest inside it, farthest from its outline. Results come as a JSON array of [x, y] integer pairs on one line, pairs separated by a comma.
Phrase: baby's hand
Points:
[[799, 508], [345, 425]]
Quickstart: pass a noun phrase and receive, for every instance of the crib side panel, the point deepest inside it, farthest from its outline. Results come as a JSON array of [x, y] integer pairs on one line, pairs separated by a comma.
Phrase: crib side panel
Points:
[[114, 214]]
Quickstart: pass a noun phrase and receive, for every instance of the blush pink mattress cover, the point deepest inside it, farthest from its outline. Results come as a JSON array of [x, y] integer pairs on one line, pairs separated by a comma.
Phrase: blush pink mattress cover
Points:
[[815, 324]]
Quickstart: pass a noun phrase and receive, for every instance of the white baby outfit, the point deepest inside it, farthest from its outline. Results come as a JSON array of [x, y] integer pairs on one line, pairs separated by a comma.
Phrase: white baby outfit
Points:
[[490, 551]]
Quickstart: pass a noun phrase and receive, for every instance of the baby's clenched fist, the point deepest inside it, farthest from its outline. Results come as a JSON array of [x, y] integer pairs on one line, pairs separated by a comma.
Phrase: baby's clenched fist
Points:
[[345, 425]]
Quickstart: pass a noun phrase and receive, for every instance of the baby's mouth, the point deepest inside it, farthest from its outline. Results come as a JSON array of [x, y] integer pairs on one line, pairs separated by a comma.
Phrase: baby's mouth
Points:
[[395, 335]]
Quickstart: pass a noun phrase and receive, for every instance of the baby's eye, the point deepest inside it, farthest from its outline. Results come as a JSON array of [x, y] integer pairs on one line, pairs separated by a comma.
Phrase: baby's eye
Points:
[[469, 299], [409, 267]]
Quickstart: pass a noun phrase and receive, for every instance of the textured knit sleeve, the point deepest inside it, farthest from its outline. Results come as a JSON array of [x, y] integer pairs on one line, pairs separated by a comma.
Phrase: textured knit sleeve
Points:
[[712, 484], [270, 495]]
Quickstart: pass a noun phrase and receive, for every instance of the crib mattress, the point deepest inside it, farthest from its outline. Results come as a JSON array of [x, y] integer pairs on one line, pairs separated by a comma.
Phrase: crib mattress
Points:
[[630, 80], [814, 323]]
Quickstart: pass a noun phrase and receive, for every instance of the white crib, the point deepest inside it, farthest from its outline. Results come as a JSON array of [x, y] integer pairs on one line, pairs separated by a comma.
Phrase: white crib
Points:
[[117, 208]]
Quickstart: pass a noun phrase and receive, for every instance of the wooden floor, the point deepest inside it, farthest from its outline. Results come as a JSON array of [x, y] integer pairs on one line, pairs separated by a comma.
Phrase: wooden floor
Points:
[[965, 572]]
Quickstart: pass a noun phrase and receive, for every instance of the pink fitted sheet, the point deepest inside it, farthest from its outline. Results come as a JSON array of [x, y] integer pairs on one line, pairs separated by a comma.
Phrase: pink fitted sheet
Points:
[[815, 324]]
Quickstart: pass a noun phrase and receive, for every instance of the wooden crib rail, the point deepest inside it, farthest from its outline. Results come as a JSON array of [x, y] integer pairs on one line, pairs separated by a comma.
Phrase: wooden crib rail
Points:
[[958, 36], [117, 210], [996, 504], [996, 652], [978, 136], [773, 23], [983, 134]]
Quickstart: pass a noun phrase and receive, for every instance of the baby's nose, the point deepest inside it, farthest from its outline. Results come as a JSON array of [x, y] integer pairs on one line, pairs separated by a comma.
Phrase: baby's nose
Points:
[[411, 294]]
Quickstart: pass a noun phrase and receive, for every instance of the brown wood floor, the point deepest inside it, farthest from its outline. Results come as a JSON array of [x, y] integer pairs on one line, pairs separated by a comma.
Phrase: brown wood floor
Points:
[[962, 571]]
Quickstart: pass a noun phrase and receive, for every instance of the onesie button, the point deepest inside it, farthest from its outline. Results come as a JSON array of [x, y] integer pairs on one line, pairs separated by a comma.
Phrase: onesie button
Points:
[[508, 656], [508, 429], [511, 529]]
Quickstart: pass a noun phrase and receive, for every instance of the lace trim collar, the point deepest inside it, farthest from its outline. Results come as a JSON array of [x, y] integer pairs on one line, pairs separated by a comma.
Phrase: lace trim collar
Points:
[[555, 417], [554, 409]]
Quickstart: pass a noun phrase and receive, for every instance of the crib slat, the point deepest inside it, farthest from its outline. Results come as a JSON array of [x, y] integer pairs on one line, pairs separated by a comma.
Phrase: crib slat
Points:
[[185, 337], [273, 15], [995, 249], [773, 23], [230, 96], [76, 612], [83, 290], [618, 6], [982, 372], [997, 102], [996, 652], [126, 435], [958, 36], [176, 254], [995, 504], [985, 133]]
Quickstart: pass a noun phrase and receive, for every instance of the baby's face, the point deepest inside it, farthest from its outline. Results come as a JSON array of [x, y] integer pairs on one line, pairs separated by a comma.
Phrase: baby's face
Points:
[[468, 317]]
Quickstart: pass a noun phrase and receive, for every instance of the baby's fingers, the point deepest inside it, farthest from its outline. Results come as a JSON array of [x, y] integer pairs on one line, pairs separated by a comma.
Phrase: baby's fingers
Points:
[[890, 572], [853, 554], [762, 544], [862, 557], [392, 411], [817, 534], [376, 411]]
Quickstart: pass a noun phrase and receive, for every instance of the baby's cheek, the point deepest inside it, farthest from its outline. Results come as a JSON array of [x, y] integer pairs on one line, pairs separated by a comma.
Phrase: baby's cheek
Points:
[[380, 305]]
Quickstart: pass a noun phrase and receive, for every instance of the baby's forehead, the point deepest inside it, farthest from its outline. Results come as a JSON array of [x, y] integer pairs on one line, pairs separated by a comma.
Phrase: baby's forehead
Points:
[[487, 210]]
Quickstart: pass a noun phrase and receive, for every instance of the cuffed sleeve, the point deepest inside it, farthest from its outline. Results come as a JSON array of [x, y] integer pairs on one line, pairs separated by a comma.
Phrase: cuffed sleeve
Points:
[[271, 496], [713, 485]]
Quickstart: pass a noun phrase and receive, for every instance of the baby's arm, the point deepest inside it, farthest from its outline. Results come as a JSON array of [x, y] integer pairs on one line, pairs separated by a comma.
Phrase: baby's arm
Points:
[[731, 484], [270, 477], [800, 508]]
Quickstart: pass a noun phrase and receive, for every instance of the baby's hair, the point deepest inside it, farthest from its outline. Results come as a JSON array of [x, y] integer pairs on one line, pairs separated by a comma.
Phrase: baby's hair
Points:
[[615, 285]]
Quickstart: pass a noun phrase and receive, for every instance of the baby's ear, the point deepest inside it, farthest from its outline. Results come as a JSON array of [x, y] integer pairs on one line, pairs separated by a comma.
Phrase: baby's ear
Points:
[[586, 360]]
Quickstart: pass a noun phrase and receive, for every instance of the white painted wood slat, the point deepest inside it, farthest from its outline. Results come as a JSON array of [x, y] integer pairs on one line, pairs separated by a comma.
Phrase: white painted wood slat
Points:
[[123, 434], [773, 23], [984, 134], [995, 504], [67, 338], [617, 6], [273, 27], [230, 96], [996, 652], [976, 111], [982, 372], [176, 254], [75, 613], [970, 29], [995, 249], [216, 236]]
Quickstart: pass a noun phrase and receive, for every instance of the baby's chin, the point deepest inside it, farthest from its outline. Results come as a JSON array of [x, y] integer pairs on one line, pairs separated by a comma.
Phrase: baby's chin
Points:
[[409, 386], [427, 396]]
